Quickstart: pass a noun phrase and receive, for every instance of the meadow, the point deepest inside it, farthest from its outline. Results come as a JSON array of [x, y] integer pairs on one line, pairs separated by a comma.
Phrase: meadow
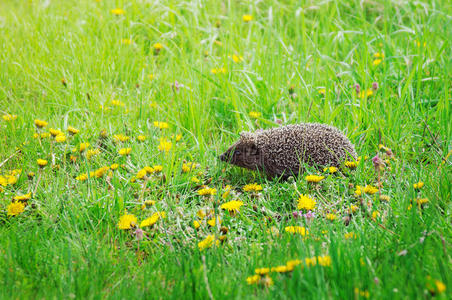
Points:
[[113, 115]]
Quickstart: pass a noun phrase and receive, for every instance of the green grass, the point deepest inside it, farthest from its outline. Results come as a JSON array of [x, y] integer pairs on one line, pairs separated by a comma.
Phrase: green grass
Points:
[[66, 244]]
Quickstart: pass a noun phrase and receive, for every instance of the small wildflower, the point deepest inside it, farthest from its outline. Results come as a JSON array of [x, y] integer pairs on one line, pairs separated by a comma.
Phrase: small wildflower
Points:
[[216, 71], [165, 145], [247, 18], [141, 138], [324, 261], [385, 198], [262, 271], [118, 103], [252, 187], [291, 264], [124, 151], [377, 61], [331, 217], [126, 41], [153, 219], [196, 224], [330, 170], [100, 172], [366, 94], [314, 178], [9, 117], [127, 221], [350, 235], [232, 206], [207, 191], [305, 202], [253, 279], [237, 58], [368, 189], [114, 167], [40, 123], [212, 222], [61, 138], [161, 125], [297, 229], [83, 146], [55, 132], [41, 162], [24, 197], [92, 152], [375, 214], [322, 91], [351, 164], [118, 11], [82, 177], [15, 208], [418, 185], [121, 138], [72, 130], [207, 242], [255, 114]]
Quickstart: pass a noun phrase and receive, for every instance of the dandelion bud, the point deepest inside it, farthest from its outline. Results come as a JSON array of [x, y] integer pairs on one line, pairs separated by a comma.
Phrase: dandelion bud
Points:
[[357, 88]]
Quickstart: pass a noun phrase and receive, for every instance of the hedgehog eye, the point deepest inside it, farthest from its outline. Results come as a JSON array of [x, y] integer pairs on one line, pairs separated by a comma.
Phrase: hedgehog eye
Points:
[[237, 152]]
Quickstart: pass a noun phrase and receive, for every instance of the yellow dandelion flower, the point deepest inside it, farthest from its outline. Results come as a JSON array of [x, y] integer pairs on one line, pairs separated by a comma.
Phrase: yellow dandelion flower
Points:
[[161, 125], [101, 172], [44, 135], [232, 206], [141, 174], [291, 264], [331, 217], [330, 170], [82, 177], [40, 123], [195, 180], [61, 138], [368, 189], [324, 261], [187, 167], [351, 164], [262, 271], [314, 178], [207, 242], [126, 41], [117, 103], [247, 18], [141, 138], [227, 191], [83, 146], [385, 198], [237, 58], [297, 229], [92, 152], [253, 279], [422, 201], [55, 132], [418, 185], [252, 187], [15, 208], [165, 145], [196, 224], [322, 91], [9, 117], [153, 219], [124, 151], [114, 166], [218, 71], [310, 261], [127, 221], [207, 191], [121, 138], [118, 11], [375, 214], [41, 162], [305, 202], [212, 222], [254, 114], [350, 235], [353, 208], [157, 168], [440, 287], [24, 197], [377, 61], [281, 269], [366, 93], [158, 46], [73, 130]]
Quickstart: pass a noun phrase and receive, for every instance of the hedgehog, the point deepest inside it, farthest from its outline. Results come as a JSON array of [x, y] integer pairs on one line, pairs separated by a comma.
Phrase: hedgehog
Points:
[[283, 151]]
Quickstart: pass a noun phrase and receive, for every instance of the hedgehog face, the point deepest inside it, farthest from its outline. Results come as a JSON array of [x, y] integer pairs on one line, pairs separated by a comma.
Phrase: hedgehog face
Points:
[[243, 153]]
